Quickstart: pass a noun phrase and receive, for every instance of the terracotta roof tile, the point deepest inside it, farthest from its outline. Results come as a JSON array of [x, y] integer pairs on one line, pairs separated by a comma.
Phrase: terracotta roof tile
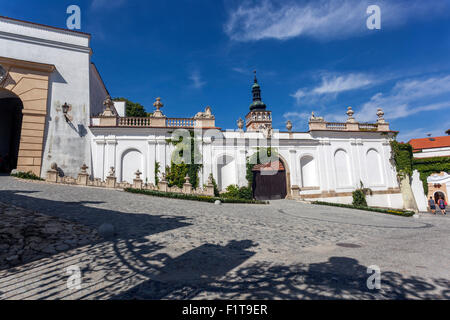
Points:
[[430, 143], [270, 166]]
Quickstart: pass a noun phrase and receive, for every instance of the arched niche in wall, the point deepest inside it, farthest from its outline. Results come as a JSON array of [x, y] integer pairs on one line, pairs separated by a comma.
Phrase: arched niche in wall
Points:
[[309, 171], [342, 167], [374, 171], [132, 160], [226, 172]]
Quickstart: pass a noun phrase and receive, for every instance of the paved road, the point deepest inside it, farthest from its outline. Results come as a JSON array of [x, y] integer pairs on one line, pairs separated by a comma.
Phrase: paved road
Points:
[[175, 249]]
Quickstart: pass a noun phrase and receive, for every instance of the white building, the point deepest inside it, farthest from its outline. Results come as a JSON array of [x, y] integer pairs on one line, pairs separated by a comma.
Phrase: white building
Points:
[[42, 69], [438, 183], [327, 163], [47, 74]]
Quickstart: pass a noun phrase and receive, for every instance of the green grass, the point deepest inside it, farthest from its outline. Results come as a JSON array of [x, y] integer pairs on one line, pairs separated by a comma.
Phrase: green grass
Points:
[[192, 197], [394, 212], [26, 175]]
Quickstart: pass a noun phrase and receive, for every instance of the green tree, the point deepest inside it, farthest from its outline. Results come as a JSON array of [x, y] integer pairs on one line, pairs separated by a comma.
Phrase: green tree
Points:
[[178, 168], [133, 109]]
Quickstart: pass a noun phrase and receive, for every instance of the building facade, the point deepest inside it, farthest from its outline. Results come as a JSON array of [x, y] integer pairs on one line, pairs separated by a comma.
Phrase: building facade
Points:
[[47, 74], [432, 148]]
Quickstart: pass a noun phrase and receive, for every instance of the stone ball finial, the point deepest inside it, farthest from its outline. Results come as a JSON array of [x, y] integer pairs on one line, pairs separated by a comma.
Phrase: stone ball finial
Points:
[[54, 166], [289, 125], [187, 179]]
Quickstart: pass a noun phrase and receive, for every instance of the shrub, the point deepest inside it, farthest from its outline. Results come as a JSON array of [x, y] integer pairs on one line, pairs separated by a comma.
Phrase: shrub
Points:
[[192, 197], [234, 192], [216, 189], [359, 198], [27, 175], [246, 193], [402, 213]]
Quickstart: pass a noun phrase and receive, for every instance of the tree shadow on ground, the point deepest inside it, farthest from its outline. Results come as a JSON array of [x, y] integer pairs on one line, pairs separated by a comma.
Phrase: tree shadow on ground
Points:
[[338, 278], [197, 267], [127, 225]]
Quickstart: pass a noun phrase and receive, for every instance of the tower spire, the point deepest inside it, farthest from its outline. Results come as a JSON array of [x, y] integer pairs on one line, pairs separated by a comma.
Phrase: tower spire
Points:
[[256, 92]]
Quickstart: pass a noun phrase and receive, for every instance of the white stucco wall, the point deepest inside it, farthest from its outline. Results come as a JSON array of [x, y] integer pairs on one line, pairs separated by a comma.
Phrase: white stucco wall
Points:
[[67, 144], [109, 144], [436, 152], [419, 193]]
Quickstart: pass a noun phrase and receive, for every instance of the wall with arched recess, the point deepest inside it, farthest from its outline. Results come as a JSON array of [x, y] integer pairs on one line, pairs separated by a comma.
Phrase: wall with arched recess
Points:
[[132, 160], [342, 169], [374, 169], [226, 171], [309, 171], [30, 82]]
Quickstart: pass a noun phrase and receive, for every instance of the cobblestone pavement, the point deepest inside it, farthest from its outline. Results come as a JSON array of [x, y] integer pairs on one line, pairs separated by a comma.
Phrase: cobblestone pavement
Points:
[[175, 249]]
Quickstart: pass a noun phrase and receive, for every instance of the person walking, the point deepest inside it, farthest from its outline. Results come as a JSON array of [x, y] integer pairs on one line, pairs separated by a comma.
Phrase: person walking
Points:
[[442, 204], [432, 205]]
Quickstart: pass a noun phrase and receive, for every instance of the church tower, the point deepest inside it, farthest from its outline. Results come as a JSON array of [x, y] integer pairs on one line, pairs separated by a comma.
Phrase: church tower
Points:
[[258, 119]]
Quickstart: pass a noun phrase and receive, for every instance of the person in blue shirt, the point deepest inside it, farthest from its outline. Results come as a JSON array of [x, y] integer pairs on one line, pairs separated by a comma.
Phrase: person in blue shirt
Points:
[[432, 205]]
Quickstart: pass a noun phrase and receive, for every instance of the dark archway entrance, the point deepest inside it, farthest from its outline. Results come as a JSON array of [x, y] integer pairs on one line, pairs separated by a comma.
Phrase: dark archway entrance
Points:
[[10, 130], [269, 181], [439, 195]]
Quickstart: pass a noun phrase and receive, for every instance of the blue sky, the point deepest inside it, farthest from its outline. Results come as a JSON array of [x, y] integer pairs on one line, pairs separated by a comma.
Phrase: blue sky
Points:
[[310, 56]]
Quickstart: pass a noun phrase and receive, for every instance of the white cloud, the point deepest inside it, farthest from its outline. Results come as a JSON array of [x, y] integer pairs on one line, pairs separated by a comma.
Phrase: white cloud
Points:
[[409, 97], [297, 115], [423, 132], [323, 19], [333, 84], [241, 70], [197, 81], [336, 84]]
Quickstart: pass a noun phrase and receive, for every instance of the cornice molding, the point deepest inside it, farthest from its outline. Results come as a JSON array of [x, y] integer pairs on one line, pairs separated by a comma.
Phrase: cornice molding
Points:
[[29, 65]]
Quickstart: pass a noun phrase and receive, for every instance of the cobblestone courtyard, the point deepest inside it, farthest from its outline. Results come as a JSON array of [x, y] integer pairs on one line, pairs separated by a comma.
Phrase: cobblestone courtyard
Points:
[[174, 249]]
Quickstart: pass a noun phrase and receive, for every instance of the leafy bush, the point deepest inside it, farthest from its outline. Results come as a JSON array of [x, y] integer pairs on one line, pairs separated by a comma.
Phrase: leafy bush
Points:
[[245, 193], [27, 175], [157, 172], [176, 174], [192, 197], [402, 213], [428, 166], [234, 192], [402, 155], [359, 198], [216, 189], [179, 169]]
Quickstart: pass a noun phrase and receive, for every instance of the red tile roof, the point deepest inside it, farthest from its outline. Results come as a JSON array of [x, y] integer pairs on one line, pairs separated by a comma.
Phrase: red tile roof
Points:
[[430, 143], [270, 166]]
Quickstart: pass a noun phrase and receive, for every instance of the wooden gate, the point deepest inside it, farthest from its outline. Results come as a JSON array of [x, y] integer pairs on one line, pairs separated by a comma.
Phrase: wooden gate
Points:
[[269, 181]]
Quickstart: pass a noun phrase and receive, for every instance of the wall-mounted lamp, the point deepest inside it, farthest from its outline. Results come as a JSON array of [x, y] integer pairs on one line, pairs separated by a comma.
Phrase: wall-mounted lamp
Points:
[[65, 109]]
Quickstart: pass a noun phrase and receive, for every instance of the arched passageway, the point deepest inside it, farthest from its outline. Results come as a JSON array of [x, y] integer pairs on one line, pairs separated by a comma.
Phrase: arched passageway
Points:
[[439, 195], [10, 130], [270, 181]]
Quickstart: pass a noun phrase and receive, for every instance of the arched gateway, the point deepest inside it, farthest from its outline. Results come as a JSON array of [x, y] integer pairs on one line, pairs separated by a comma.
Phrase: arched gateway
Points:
[[10, 129], [270, 181], [23, 113]]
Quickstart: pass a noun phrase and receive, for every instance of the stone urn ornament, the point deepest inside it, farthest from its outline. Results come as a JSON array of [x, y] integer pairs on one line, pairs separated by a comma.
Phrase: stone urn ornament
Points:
[[84, 168], [350, 114], [138, 174], [380, 114], [289, 126], [240, 124], [112, 172]]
